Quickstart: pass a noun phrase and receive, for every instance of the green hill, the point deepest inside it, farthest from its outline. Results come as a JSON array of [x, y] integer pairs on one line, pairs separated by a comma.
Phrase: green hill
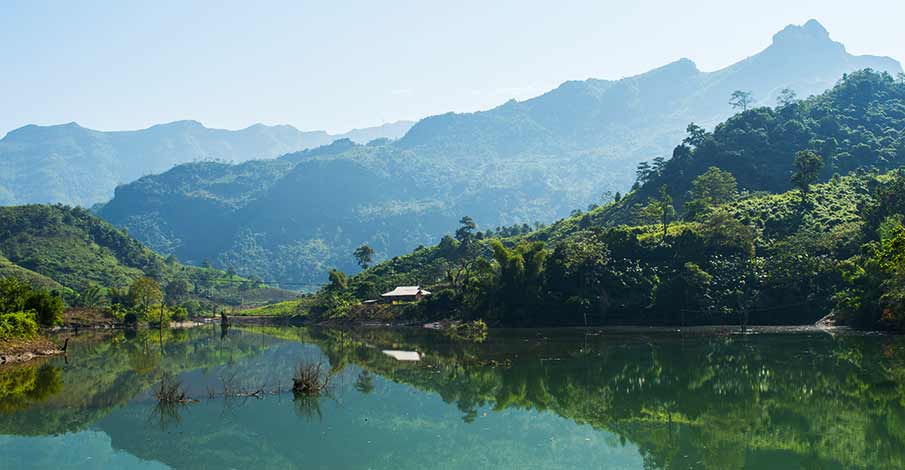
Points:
[[755, 254], [292, 219], [10, 269], [856, 125], [71, 250]]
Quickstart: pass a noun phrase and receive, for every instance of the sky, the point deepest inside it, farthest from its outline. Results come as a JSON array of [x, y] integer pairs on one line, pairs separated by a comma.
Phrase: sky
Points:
[[337, 65]]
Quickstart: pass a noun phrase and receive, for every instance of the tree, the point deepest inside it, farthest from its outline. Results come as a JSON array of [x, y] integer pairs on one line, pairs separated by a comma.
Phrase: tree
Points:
[[13, 295], [47, 307], [737, 282], [807, 168], [93, 296], [658, 164], [144, 293], [364, 255], [643, 173], [465, 233], [786, 97], [695, 286], [18, 296], [725, 234], [338, 280], [741, 100], [579, 272], [696, 135], [365, 382], [177, 291], [660, 210], [713, 187], [518, 279]]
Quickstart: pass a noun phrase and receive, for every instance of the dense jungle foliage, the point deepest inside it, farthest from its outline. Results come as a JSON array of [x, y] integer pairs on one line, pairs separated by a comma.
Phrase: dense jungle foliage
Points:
[[707, 240]]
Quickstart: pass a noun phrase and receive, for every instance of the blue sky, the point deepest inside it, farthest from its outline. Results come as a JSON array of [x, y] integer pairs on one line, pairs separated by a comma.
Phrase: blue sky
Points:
[[342, 64]]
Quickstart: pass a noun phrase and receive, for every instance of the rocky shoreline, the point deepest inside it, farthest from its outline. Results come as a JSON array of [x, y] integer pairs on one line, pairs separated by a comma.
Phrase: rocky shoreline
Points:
[[12, 352]]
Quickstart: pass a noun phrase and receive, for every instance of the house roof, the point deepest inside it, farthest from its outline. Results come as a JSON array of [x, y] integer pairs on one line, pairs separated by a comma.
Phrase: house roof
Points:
[[403, 355], [406, 291]]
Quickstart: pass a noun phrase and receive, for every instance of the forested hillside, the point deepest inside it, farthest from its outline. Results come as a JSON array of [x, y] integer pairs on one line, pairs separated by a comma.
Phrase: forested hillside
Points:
[[85, 259], [70, 164], [521, 162], [858, 124], [710, 237]]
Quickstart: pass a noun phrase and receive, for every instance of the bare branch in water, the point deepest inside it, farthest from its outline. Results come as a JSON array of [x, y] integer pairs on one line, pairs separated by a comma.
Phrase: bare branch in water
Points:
[[309, 379]]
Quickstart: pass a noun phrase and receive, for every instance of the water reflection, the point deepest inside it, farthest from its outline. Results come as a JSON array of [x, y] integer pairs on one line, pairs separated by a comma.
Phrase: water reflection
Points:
[[24, 385], [554, 399]]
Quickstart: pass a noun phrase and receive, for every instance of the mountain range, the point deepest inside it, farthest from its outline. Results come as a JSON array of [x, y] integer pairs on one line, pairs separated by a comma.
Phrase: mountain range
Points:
[[290, 219], [73, 165]]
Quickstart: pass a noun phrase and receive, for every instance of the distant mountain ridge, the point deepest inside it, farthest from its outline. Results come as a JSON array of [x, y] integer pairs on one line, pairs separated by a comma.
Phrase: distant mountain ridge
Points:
[[654, 106], [74, 165], [292, 218]]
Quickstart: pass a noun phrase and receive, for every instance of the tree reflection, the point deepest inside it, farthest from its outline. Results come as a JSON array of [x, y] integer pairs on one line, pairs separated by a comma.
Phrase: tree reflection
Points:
[[365, 382], [706, 402], [27, 384]]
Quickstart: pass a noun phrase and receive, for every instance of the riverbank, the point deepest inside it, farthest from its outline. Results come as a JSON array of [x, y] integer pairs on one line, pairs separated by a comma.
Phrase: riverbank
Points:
[[254, 320], [22, 350]]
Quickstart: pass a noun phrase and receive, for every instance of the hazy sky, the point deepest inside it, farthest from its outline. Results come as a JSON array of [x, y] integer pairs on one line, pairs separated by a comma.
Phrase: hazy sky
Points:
[[339, 64]]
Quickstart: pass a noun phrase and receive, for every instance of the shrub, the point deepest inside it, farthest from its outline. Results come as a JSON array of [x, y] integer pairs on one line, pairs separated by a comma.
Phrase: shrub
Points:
[[48, 307], [18, 325], [130, 319], [180, 314], [18, 296]]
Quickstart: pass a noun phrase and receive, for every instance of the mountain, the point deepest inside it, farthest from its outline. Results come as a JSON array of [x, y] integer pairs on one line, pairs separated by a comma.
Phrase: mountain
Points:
[[71, 250], [720, 233], [74, 165], [292, 218]]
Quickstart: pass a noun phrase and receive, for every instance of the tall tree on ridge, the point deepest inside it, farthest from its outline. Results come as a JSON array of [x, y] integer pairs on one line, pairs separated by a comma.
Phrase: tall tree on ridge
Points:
[[741, 100], [786, 97], [364, 256]]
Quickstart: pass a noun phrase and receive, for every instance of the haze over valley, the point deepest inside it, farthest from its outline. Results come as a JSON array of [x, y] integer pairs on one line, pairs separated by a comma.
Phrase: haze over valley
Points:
[[518, 163]]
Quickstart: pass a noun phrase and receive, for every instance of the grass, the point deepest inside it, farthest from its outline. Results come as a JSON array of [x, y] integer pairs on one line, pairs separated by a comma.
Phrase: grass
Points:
[[279, 309]]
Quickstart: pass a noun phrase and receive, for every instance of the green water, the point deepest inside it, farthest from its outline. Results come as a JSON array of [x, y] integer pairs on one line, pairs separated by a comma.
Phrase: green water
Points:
[[520, 399]]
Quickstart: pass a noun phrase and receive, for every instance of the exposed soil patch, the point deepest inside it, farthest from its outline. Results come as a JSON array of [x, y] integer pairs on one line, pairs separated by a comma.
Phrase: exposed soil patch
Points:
[[12, 351], [83, 318]]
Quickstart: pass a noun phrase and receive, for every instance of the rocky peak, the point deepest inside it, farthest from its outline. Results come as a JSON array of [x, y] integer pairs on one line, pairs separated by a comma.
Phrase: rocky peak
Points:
[[807, 36]]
